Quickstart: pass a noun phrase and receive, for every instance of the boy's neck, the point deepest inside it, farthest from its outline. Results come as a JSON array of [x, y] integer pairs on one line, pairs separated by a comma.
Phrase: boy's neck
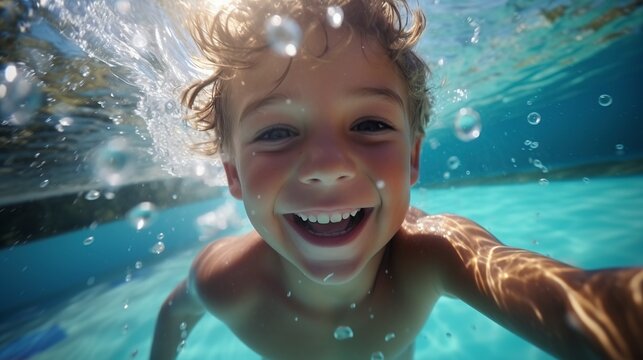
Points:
[[330, 297]]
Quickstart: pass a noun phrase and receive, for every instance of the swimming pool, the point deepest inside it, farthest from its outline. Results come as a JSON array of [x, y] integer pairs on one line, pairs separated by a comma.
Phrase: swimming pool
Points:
[[555, 167], [590, 223]]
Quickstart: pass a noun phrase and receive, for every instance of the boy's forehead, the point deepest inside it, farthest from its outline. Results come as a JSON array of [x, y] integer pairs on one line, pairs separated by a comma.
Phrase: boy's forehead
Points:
[[355, 60]]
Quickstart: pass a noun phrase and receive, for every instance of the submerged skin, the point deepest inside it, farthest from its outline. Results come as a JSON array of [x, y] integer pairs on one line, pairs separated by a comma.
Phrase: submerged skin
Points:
[[334, 135]]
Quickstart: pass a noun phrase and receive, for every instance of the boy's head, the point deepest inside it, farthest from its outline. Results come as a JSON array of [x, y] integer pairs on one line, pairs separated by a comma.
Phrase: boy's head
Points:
[[323, 146], [233, 36]]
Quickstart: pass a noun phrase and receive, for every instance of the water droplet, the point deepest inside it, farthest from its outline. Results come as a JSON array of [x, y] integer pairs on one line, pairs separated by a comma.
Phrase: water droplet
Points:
[[335, 16], [390, 336], [378, 355], [114, 162], [380, 184], [467, 124], [160, 236], [158, 248], [88, 241], [138, 265], [605, 100], [142, 215], [533, 118], [283, 35], [92, 195], [343, 333], [543, 181], [453, 162], [44, 183]]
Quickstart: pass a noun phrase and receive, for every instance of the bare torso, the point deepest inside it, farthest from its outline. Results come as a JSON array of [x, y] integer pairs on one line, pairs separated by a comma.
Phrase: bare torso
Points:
[[239, 281]]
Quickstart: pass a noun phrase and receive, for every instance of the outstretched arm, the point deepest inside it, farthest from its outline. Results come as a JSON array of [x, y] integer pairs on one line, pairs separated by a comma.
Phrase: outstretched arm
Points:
[[566, 311], [178, 315]]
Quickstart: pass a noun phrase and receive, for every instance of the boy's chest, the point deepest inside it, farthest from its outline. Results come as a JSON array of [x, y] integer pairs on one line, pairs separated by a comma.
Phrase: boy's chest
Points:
[[384, 324]]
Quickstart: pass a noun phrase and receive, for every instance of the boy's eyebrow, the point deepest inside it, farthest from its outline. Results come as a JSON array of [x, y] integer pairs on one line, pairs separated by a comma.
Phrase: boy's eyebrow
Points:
[[361, 91], [379, 91], [261, 102]]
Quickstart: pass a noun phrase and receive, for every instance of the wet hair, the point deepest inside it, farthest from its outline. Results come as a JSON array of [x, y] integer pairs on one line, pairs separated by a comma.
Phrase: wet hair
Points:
[[232, 35]]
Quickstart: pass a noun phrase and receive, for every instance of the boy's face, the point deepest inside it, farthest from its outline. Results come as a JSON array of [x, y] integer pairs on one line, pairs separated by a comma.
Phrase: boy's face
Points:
[[323, 162]]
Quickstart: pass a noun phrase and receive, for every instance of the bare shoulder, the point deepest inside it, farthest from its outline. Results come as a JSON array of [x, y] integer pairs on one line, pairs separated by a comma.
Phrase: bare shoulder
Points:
[[225, 271], [435, 245]]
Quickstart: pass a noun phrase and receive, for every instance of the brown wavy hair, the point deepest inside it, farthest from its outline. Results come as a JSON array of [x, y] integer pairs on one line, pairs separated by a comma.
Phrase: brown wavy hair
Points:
[[232, 35]]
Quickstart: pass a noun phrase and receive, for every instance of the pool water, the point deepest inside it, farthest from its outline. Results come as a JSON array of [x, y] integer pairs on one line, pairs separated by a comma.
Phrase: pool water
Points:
[[586, 222], [551, 161]]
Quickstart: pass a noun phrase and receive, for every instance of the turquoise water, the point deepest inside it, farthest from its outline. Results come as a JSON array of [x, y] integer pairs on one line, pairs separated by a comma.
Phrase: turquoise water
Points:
[[586, 222], [86, 84]]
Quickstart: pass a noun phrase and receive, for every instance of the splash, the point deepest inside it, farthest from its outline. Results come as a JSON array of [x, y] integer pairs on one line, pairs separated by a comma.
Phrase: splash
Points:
[[146, 46]]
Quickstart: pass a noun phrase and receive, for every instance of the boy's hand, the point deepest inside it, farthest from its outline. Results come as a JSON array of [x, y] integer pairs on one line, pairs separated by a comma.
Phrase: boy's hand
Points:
[[178, 315]]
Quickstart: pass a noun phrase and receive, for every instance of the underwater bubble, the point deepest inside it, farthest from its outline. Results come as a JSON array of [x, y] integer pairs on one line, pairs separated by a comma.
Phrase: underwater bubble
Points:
[[289, 294], [183, 326], [123, 7], [160, 236], [378, 355], [114, 162], [10, 73], [92, 195], [109, 195], [446, 175], [448, 334], [158, 248], [142, 215], [380, 184], [534, 145], [44, 183], [139, 40], [180, 347], [453, 162], [328, 277], [66, 121], [605, 100], [343, 333], [283, 35], [467, 124], [390, 336], [353, 306], [533, 118], [586, 180], [88, 241], [543, 181], [335, 16], [138, 265]]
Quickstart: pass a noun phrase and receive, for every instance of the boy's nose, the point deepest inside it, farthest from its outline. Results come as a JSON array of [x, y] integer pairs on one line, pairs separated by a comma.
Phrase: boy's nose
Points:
[[326, 165]]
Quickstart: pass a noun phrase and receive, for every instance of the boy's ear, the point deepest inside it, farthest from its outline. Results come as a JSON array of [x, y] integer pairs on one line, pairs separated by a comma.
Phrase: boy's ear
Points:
[[234, 185], [415, 159]]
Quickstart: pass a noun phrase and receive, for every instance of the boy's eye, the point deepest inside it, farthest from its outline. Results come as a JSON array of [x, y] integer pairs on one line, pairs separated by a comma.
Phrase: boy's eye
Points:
[[275, 134], [371, 125]]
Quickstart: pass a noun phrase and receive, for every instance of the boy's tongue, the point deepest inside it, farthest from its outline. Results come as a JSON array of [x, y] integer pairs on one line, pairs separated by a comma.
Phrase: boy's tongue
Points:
[[328, 229]]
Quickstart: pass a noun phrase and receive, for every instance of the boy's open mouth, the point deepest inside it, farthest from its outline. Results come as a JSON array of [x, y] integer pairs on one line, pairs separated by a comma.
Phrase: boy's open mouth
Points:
[[329, 229]]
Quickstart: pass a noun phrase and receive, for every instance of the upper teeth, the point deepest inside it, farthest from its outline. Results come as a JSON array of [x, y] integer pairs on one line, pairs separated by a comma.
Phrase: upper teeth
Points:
[[325, 218]]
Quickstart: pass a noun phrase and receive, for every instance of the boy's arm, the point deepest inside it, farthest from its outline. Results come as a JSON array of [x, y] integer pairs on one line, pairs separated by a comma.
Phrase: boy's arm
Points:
[[178, 315], [566, 311]]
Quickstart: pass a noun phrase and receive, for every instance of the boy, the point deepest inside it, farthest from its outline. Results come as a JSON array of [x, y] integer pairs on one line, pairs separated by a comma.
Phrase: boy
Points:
[[322, 144]]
